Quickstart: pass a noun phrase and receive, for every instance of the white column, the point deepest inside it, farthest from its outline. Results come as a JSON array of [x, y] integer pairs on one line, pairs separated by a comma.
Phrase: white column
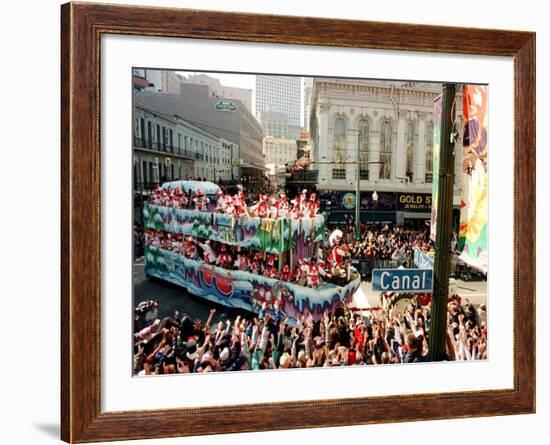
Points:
[[419, 167], [325, 172], [400, 152], [351, 156], [374, 156]]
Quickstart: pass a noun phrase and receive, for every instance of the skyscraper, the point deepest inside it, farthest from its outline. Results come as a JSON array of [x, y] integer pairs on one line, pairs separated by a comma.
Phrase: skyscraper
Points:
[[279, 94]]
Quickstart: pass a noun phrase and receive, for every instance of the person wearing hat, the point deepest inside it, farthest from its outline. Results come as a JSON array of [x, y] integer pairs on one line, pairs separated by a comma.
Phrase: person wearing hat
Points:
[[313, 205], [201, 202]]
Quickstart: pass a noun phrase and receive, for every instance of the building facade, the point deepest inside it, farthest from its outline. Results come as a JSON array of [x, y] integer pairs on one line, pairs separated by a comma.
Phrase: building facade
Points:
[[280, 94], [230, 121], [279, 151], [387, 125], [168, 148], [159, 80]]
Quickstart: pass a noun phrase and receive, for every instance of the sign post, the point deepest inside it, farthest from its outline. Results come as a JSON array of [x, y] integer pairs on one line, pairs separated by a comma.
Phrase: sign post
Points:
[[443, 233], [402, 280]]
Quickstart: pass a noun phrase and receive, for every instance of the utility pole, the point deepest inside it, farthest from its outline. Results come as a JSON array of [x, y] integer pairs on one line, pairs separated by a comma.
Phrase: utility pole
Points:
[[443, 236], [358, 189]]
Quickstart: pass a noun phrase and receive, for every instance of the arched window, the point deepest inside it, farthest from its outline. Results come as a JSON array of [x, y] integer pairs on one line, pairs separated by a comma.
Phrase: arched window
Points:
[[410, 150], [363, 128], [385, 149], [429, 152], [339, 171]]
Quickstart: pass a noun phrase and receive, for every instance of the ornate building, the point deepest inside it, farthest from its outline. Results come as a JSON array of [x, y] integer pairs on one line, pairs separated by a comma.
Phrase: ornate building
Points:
[[389, 123]]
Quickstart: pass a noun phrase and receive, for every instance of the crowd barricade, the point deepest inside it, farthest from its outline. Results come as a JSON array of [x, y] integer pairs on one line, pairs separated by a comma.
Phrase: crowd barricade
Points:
[[365, 266]]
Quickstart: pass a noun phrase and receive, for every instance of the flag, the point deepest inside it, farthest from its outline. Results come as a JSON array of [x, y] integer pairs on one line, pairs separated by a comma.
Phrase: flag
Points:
[[475, 191]]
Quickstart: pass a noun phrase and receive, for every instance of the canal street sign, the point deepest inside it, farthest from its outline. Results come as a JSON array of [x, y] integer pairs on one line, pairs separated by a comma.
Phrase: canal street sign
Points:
[[402, 280]]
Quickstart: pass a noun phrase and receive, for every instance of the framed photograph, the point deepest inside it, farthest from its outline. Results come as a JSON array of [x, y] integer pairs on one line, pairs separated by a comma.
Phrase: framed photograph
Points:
[[274, 222]]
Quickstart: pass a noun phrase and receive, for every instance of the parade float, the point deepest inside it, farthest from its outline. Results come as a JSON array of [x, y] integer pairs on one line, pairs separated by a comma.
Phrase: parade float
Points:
[[291, 240]]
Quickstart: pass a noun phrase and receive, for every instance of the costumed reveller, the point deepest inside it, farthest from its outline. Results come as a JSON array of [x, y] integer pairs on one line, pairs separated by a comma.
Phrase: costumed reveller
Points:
[[201, 202], [295, 210], [323, 269], [284, 205], [221, 202], [182, 198], [313, 274], [262, 209], [190, 248], [303, 204], [209, 255], [337, 254], [273, 207], [240, 203], [313, 205], [286, 274], [224, 258]]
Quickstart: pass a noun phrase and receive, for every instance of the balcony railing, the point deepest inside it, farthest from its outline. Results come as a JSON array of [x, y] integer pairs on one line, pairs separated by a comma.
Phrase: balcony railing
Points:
[[166, 148]]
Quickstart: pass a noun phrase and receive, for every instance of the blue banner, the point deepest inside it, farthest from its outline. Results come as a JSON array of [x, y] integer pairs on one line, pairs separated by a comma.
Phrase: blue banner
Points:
[[421, 260], [402, 280]]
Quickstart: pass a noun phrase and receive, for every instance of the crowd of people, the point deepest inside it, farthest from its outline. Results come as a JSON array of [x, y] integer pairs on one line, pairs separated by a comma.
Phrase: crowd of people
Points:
[[388, 246], [266, 205], [342, 337]]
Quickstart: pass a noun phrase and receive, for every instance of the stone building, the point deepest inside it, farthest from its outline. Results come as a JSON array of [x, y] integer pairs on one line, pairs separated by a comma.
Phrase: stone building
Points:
[[388, 124]]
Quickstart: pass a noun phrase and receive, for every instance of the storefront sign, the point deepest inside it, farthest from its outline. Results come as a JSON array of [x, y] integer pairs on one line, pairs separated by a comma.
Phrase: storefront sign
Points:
[[348, 201], [414, 202], [226, 105]]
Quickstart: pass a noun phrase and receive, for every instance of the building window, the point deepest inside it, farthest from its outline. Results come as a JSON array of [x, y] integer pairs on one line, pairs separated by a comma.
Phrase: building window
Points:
[[158, 138], [149, 134], [338, 173], [171, 148], [339, 139], [410, 150], [429, 152], [385, 149], [364, 135]]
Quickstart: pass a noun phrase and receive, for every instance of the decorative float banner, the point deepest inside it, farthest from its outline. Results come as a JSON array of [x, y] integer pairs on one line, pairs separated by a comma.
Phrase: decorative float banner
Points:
[[475, 191], [208, 188], [262, 234], [245, 290]]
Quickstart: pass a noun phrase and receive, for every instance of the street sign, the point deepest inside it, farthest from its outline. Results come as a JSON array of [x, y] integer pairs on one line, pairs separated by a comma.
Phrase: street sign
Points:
[[422, 260], [402, 280], [237, 162]]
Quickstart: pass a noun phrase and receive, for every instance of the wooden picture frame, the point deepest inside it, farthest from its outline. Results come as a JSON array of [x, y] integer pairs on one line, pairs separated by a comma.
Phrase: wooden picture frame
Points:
[[82, 26]]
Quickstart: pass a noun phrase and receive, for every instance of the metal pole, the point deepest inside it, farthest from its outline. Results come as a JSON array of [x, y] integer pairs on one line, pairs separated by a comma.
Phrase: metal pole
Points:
[[358, 189], [442, 260]]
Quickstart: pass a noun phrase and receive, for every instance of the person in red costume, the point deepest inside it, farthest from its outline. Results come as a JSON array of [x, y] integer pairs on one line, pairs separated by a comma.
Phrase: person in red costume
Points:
[[313, 205], [201, 202], [313, 274], [286, 275], [262, 210]]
